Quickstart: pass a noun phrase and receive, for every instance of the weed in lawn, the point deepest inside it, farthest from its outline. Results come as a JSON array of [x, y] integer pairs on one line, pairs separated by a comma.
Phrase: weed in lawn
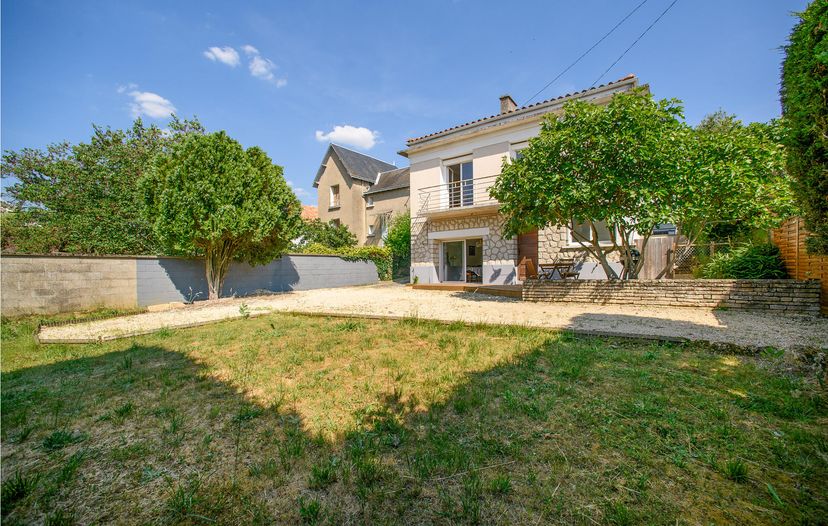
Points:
[[60, 518], [323, 473], [310, 511], [70, 467], [736, 470], [471, 498], [500, 485], [126, 363], [164, 332], [60, 439], [350, 326], [268, 468], [183, 500], [16, 488], [244, 310], [618, 514]]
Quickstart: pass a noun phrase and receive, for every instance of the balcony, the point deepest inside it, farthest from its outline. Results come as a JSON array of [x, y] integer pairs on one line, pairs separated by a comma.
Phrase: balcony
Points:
[[458, 198]]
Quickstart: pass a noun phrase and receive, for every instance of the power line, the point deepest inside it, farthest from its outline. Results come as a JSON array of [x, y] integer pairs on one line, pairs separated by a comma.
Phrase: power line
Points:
[[585, 53], [634, 42]]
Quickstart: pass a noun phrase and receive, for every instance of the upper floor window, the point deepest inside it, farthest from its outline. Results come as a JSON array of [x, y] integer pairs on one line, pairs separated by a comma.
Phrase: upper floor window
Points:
[[460, 178], [335, 222], [369, 201], [581, 231], [334, 203], [370, 230]]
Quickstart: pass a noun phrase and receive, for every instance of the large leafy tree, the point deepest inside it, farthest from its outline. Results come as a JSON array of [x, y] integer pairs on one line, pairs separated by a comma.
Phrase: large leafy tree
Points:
[[734, 175], [318, 232], [209, 197], [83, 198], [805, 112], [616, 164]]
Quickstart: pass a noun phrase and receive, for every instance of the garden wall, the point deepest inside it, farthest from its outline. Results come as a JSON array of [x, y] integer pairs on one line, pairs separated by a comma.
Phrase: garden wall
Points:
[[52, 284], [777, 295]]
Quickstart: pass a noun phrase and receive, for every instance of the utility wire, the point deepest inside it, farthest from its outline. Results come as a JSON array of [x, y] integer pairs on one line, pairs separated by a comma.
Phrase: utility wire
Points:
[[585, 53], [634, 42]]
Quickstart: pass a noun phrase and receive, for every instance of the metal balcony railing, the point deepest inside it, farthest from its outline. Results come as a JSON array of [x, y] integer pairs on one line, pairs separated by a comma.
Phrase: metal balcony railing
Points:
[[459, 195]]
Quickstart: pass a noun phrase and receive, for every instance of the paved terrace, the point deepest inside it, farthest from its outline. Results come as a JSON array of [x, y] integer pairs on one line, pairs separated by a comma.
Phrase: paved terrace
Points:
[[394, 301]]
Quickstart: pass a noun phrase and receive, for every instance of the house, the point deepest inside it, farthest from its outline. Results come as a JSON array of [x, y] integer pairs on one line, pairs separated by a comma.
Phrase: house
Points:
[[310, 212], [456, 227], [360, 192]]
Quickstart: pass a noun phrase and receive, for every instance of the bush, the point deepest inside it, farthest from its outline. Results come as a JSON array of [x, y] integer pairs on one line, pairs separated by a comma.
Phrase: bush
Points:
[[399, 241], [381, 256], [328, 234], [746, 262]]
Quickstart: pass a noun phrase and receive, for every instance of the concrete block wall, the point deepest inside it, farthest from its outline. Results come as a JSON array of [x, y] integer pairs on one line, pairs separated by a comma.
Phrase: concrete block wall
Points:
[[49, 284], [53, 284], [772, 295]]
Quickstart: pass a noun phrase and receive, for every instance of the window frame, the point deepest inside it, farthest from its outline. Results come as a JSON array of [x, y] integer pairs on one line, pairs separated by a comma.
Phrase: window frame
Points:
[[574, 243], [334, 203]]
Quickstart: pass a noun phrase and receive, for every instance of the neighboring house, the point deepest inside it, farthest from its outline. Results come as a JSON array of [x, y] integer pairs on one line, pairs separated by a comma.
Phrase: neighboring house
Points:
[[310, 212], [360, 192], [456, 227]]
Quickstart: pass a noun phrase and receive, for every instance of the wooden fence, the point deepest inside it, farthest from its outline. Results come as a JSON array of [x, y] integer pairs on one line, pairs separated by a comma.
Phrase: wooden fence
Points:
[[790, 238]]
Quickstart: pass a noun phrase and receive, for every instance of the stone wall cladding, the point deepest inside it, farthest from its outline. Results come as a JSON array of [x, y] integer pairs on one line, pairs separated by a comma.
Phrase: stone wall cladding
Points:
[[553, 242], [497, 250], [790, 296]]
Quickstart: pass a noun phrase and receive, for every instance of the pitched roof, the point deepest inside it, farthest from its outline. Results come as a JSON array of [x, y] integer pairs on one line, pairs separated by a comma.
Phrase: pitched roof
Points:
[[310, 212], [391, 180], [358, 165], [523, 109]]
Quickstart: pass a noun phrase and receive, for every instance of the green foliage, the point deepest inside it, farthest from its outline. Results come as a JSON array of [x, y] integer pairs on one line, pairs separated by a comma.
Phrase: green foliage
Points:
[[616, 163], [634, 163], [84, 198], [804, 94], [328, 234], [399, 241], [16, 487], [381, 256], [210, 197], [746, 262]]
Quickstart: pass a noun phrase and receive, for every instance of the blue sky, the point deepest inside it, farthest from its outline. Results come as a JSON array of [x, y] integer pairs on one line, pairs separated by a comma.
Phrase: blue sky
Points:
[[285, 75]]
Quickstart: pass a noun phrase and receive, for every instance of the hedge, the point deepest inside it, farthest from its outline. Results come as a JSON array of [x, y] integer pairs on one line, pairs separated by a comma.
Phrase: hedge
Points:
[[381, 256]]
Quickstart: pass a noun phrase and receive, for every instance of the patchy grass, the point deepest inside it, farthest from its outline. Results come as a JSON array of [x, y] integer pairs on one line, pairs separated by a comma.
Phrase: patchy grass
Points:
[[293, 419]]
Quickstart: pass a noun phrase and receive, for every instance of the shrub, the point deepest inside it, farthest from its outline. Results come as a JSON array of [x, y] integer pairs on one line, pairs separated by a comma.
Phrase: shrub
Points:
[[746, 262], [328, 234], [381, 256], [399, 241]]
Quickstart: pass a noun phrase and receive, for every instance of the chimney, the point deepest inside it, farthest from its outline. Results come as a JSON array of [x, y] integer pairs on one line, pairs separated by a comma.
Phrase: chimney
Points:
[[507, 104]]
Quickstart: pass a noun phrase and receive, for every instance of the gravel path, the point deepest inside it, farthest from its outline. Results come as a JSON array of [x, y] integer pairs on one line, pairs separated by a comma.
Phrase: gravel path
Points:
[[393, 300]]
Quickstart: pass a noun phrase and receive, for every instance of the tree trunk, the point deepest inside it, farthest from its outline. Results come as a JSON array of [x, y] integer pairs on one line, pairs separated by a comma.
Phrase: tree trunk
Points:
[[217, 260]]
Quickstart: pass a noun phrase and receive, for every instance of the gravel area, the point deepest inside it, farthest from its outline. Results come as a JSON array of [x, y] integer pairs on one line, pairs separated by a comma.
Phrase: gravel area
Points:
[[393, 300]]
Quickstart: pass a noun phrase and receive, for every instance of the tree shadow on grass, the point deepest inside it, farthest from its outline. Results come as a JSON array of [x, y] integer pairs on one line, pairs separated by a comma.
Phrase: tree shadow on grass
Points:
[[577, 430]]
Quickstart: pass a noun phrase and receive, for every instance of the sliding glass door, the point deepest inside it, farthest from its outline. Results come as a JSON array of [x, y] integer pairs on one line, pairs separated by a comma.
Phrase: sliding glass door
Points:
[[454, 265]]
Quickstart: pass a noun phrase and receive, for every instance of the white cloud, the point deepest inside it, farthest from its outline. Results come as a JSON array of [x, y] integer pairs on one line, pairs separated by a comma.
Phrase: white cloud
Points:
[[350, 135], [301, 193], [261, 67], [124, 87], [225, 55], [150, 104]]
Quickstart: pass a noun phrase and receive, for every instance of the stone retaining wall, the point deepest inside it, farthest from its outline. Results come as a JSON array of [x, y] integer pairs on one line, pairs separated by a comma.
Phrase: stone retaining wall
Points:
[[782, 295], [53, 284]]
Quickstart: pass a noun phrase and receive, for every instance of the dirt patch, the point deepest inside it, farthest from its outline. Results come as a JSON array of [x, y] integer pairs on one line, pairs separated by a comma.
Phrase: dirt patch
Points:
[[744, 329]]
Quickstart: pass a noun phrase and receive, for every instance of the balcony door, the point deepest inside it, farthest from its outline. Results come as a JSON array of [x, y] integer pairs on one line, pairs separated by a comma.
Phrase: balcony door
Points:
[[454, 262], [460, 184]]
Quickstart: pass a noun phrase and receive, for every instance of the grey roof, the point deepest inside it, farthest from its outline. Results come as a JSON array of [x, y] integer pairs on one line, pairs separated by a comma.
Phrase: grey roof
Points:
[[391, 180], [357, 165]]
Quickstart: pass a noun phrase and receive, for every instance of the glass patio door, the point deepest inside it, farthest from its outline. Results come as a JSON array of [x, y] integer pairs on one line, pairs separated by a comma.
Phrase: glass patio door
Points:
[[454, 265]]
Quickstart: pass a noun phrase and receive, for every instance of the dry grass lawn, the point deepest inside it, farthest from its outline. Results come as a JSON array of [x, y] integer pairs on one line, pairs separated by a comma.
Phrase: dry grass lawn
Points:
[[294, 419]]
